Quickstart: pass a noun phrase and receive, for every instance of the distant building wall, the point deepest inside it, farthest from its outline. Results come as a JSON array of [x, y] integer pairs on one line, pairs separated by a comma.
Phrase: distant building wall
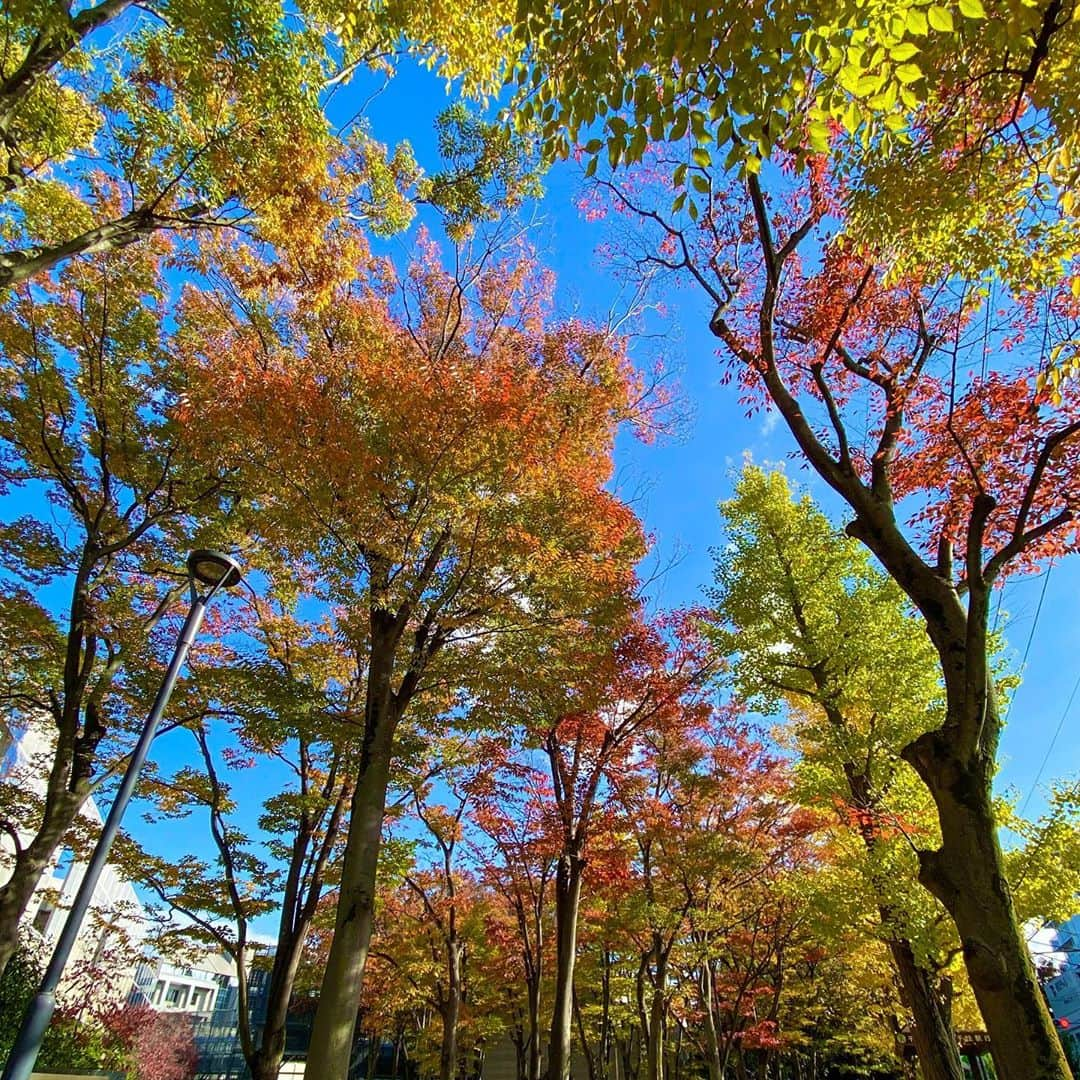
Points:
[[115, 927]]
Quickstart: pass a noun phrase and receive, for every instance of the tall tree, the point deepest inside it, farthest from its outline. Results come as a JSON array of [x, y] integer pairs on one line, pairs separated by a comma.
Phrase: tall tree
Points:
[[281, 688], [645, 682], [119, 119], [519, 865], [829, 336], [808, 620], [440, 462], [87, 437]]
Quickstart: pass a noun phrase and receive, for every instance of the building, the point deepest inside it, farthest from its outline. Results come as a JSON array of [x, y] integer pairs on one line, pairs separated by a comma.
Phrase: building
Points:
[[1056, 952], [196, 988], [111, 940]]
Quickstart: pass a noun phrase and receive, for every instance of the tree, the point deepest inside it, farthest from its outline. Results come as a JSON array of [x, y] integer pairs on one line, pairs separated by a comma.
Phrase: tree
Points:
[[438, 910], [954, 123], [518, 866], [690, 922], [809, 621], [119, 119], [440, 465], [644, 682], [989, 462], [281, 692], [87, 435]]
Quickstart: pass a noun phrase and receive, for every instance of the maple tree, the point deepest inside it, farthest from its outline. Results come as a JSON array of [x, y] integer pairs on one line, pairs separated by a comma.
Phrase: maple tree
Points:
[[689, 916], [86, 434], [279, 686], [587, 732], [518, 867], [864, 368], [433, 922], [439, 460]]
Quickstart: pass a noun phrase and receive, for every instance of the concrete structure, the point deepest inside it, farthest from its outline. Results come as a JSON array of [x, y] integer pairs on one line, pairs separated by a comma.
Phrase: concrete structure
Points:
[[195, 988], [112, 936]]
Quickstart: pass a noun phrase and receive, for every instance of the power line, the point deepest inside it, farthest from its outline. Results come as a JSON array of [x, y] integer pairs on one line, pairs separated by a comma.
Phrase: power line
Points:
[[1031, 636], [1050, 748]]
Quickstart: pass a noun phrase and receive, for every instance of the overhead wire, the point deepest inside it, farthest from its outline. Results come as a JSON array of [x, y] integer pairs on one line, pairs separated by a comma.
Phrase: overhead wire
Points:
[[1031, 635], [1053, 741]]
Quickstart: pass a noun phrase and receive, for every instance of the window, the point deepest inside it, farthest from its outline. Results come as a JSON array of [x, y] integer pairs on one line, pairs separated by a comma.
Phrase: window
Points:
[[41, 919]]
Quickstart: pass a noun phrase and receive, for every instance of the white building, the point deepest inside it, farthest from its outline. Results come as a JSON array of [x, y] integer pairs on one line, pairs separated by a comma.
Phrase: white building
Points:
[[188, 988], [112, 935]]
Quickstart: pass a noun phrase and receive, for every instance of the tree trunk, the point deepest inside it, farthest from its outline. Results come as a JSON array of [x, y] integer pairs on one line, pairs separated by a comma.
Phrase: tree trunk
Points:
[[534, 1059], [264, 1067], [567, 905], [713, 1059], [935, 1040], [966, 874], [335, 1018], [654, 1059], [450, 1012], [17, 892]]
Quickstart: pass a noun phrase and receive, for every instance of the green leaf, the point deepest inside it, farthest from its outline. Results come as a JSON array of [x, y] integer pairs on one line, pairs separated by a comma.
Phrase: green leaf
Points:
[[701, 156], [973, 9], [940, 18], [909, 73], [916, 22], [904, 51]]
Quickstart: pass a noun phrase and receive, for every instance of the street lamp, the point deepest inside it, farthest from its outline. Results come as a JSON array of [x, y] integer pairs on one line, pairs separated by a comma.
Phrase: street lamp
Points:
[[213, 571]]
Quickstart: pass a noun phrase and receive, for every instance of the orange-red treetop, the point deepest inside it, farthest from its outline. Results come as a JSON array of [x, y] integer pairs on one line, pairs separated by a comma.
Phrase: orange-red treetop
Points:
[[914, 387], [437, 437]]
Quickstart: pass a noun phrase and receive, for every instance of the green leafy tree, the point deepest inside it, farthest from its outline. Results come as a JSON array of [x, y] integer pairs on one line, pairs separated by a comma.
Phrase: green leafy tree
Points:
[[86, 438], [282, 688], [809, 621], [120, 119]]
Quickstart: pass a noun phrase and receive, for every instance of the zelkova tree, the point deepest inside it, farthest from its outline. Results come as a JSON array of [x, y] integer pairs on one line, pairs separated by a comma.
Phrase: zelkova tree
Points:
[[955, 121], [810, 623], [650, 679], [518, 859], [90, 450], [280, 688], [120, 119], [435, 447], [880, 379]]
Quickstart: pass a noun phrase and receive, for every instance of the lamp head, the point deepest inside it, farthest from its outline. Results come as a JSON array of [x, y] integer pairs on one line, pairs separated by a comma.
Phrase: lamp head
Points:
[[213, 568]]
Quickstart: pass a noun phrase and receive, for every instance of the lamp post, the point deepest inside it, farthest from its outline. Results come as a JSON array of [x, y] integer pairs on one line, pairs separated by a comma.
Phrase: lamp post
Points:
[[215, 571]]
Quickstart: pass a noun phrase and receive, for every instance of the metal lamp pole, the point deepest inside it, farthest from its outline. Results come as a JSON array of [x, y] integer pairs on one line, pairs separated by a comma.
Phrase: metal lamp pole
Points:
[[216, 571]]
